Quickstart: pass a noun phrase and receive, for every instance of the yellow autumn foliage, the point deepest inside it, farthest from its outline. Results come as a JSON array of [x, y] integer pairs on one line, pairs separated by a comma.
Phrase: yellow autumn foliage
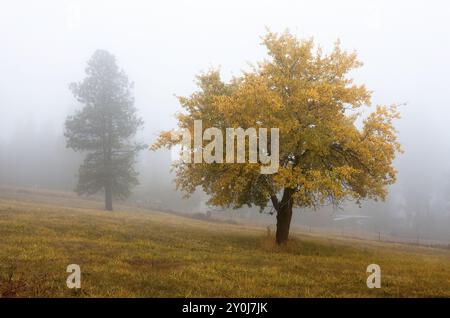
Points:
[[325, 156]]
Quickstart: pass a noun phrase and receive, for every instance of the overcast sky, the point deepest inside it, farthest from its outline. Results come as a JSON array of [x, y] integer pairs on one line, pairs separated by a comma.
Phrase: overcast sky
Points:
[[162, 45]]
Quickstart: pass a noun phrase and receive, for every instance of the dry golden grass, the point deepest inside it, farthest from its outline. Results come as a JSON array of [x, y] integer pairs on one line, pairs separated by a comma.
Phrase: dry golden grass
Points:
[[137, 253]]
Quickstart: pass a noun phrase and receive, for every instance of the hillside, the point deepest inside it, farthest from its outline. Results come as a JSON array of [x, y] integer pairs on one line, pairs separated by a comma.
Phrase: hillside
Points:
[[133, 252]]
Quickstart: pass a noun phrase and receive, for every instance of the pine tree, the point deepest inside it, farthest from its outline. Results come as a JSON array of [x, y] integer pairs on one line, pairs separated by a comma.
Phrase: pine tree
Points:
[[104, 129]]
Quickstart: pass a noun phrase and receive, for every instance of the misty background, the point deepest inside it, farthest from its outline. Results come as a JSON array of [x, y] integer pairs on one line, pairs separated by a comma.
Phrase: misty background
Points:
[[404, 45]]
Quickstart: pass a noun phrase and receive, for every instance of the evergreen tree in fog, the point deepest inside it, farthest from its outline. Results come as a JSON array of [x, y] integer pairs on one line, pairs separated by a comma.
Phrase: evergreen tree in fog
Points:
[[104, 129]]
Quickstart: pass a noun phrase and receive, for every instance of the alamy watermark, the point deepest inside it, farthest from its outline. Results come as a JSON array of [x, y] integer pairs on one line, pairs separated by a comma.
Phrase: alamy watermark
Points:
[[374, 279], [213, 152], [74, 279]]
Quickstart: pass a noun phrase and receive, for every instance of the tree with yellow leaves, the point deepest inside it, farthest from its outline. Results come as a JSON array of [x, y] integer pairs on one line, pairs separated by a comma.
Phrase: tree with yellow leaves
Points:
[[326, 156]]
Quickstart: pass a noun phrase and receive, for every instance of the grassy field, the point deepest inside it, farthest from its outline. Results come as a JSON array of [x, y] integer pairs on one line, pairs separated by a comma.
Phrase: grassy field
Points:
[[137, 253]]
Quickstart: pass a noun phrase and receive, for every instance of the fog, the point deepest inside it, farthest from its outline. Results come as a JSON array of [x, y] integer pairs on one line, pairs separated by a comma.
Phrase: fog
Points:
[[404, 45]]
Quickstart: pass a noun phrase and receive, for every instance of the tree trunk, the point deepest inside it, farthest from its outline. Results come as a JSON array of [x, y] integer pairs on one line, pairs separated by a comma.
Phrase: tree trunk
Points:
[[108, 197], [107, 150], [284, 217]]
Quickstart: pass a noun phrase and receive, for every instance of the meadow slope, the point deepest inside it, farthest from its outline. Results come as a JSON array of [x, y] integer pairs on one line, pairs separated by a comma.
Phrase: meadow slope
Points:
[[137, 253]]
